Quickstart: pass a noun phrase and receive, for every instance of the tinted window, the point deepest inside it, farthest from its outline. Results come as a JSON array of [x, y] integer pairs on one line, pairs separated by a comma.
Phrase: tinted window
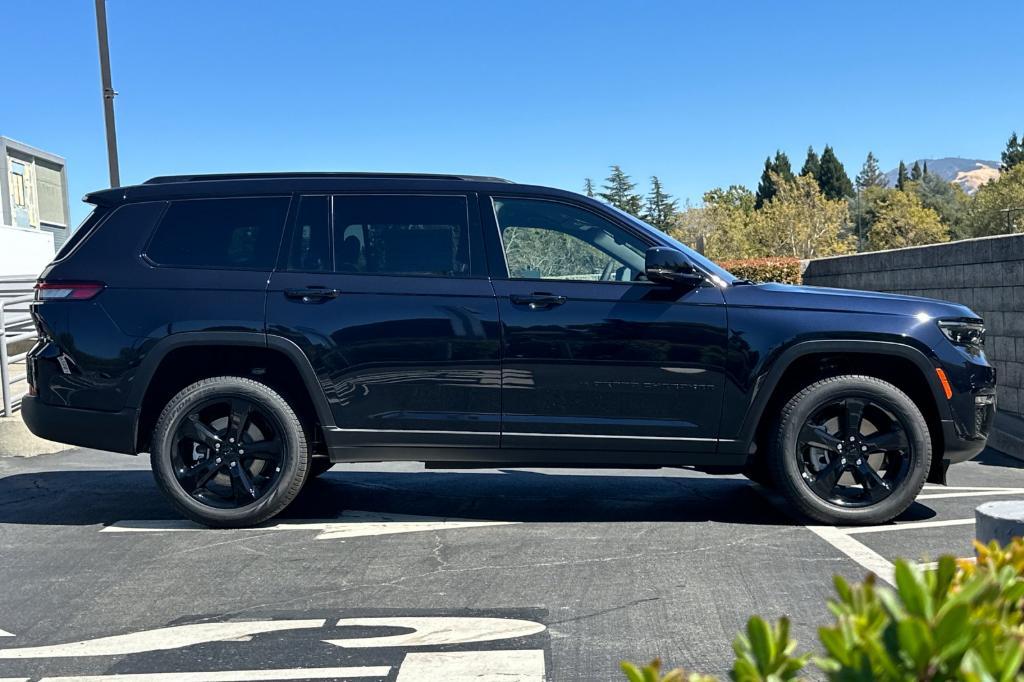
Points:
[[401, 235], [550, 240], [310, 246], [220, 233]]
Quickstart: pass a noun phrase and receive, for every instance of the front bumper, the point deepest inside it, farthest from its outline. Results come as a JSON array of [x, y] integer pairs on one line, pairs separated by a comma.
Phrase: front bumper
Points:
[[113, 431]]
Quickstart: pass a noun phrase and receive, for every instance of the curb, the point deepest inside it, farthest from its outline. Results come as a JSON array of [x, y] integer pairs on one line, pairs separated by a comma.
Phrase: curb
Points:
[[17, 441]]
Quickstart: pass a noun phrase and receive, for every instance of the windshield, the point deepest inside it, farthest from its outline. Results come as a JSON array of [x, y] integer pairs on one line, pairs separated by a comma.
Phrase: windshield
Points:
[[702, 261]]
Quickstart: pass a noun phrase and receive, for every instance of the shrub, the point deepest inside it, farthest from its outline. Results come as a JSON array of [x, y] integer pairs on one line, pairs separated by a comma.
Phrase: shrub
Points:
[[957, 622], [784, 270]]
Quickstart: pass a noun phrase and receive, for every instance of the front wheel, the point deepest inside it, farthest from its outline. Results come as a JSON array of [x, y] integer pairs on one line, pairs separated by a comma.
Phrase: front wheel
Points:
[[851, 450], [229, 452]]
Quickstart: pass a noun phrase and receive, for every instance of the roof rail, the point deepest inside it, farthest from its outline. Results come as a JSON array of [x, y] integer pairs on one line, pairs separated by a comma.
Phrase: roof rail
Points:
[[163, 179]]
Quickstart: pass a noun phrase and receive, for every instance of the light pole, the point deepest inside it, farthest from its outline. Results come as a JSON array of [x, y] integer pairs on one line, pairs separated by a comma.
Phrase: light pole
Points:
[[108, 92]]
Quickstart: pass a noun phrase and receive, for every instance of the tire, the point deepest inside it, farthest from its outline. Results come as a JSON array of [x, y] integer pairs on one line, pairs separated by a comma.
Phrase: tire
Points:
[[229, 488], [807, 457], [319, 467]]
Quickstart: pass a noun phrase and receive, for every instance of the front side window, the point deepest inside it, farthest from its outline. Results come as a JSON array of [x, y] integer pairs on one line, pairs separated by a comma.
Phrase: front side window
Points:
[[238, 234], [401, 235], [551, 240]]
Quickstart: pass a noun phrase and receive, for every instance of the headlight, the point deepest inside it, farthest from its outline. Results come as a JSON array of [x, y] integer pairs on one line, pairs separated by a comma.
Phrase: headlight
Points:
[[966, 333]]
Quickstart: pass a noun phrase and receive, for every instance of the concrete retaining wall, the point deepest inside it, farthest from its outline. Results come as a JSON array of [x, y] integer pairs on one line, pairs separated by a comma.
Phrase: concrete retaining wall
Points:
[[986, 274]]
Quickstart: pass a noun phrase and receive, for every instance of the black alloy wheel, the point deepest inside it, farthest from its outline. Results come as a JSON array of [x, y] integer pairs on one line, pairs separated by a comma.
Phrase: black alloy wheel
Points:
[[850, 449], [853, 452], [228, 453]]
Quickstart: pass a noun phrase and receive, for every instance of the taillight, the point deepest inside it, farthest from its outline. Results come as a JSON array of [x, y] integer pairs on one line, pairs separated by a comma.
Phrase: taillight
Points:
[[67, 291]]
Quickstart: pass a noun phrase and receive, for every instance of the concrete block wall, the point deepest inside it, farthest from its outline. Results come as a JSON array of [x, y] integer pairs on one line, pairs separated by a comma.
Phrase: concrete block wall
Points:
[[986, 275]]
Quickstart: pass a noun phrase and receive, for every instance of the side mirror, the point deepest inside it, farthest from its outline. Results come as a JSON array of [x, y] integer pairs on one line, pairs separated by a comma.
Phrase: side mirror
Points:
[[669, 266]]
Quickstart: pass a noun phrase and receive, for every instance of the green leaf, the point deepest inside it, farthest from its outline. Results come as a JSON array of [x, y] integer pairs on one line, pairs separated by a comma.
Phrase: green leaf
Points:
[[912, 591], [761, 644], [632, 672]]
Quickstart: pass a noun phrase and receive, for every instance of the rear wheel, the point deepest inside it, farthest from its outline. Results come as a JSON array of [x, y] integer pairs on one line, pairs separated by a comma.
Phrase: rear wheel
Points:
[[229, 452], [851, 450]]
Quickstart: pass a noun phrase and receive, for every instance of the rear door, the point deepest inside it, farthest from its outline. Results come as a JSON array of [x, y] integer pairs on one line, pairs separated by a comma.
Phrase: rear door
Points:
[[387, 296], [596, 358]]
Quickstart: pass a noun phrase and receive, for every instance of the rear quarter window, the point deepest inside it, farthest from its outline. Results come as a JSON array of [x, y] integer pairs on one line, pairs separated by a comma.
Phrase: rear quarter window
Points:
[[232, 233]]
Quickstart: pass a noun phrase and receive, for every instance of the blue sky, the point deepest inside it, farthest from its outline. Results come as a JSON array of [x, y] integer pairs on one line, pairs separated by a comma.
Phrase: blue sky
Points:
[[697, 93]]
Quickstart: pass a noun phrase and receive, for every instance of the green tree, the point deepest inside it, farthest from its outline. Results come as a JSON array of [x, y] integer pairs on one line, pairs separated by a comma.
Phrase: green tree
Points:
[[945, 198], [833, 180], [997, 207], [800, 221], [767, 187], [812, 164], [901, 176], [722, 227], [915, 172], [618, 191], [925, 173], [1014, 154], [659, 207], [900, 220], [870, 174], [588, 187]]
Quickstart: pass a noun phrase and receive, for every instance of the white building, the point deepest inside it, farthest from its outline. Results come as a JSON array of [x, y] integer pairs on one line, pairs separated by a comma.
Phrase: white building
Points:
[[34, 211]]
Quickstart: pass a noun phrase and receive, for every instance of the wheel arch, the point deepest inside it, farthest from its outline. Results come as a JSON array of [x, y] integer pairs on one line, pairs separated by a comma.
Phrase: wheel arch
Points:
[[907, 367], [295, 376]]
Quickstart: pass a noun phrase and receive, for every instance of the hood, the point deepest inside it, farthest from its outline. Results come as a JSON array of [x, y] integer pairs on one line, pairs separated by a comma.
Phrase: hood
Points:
[[842, 300]]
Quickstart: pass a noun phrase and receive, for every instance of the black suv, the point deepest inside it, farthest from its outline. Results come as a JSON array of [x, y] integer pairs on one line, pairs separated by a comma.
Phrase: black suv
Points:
[[249, 331]]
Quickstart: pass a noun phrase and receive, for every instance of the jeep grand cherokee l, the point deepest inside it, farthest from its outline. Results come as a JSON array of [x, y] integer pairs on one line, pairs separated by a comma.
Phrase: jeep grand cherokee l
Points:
[[250, 331]]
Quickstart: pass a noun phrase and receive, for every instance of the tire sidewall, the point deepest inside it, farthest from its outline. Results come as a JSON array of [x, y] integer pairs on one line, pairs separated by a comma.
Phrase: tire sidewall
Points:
[[817, 396], [293, 472]]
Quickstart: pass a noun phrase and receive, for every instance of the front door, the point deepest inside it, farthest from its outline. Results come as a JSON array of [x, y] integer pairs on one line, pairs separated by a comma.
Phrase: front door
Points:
[[594, 357], [386, 296]]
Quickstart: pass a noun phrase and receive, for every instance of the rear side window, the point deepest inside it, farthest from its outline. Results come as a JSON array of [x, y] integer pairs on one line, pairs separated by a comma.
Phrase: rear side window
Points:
[[310, 246], [79, 235], [241, 234], [401, 235]]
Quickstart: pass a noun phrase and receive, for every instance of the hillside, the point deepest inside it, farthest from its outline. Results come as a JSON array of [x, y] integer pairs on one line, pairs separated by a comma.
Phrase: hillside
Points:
[[970, 174]]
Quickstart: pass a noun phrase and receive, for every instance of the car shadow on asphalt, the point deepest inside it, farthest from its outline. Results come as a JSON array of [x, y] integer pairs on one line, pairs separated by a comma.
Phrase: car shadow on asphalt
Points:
[[104, 496]]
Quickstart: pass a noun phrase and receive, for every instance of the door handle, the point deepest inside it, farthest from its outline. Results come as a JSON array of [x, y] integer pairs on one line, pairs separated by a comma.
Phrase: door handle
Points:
[[538, 300], [311, 294]]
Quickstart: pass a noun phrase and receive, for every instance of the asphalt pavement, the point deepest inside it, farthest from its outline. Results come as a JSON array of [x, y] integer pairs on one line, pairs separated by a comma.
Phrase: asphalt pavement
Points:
[[391, 572]]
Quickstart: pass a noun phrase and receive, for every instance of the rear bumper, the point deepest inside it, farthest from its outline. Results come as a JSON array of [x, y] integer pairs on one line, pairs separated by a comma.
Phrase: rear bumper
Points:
[[113, 431]]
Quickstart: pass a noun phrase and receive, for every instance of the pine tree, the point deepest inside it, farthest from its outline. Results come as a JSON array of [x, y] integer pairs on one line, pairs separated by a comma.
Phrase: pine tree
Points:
[[768, 187], [915, 172], [660, 206], [1014, 153], [924, 173], [588, 187], [812, 165], [618, 191], [870, 174], [833, 180], [901, 176]]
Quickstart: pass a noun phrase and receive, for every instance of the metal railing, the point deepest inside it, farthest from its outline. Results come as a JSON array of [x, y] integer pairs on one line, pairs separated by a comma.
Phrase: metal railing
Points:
[[16, 327]]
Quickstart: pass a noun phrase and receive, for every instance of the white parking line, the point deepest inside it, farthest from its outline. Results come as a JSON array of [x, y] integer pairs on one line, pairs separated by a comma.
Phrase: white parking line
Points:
[[427, 631], [4, 633], [159, 639], [236, 675], [473, 666], [910, 525], [856, 550], [972, 493], [351, 524]]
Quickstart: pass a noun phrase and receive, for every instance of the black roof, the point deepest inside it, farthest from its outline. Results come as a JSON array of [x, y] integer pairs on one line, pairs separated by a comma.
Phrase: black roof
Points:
[[163, 179], [247, 184]]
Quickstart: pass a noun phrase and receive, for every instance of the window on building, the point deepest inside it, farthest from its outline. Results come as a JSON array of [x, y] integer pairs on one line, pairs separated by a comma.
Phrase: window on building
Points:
[[401, 235], [50, 191], [220, 233]]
